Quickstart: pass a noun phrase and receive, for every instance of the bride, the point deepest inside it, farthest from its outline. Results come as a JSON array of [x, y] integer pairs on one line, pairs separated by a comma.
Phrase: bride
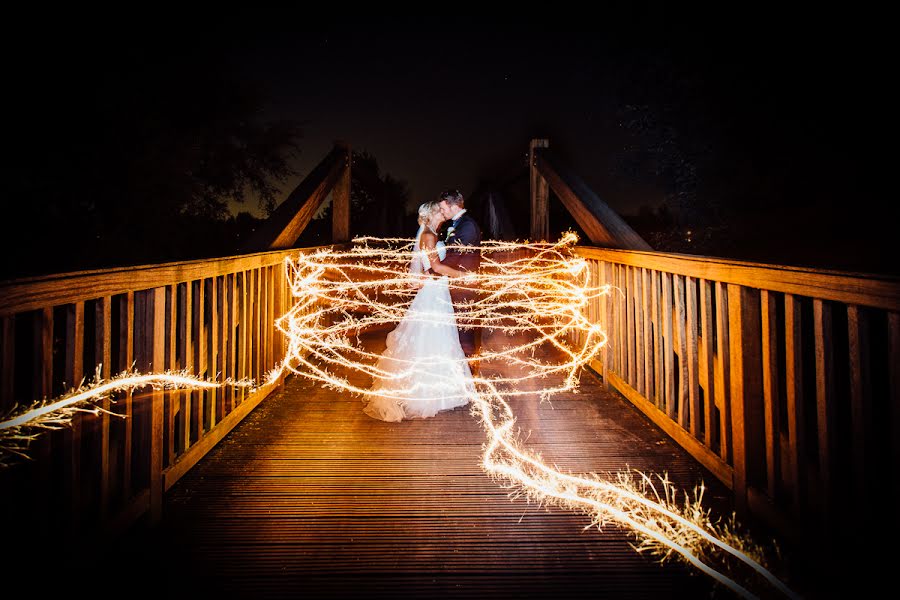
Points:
[[423, 369]]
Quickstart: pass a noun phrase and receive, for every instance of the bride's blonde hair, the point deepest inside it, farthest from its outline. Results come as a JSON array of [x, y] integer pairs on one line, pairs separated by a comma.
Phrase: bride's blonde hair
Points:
[[426, 209]]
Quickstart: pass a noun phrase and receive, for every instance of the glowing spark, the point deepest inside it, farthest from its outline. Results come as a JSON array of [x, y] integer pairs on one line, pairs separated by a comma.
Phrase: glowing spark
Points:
[[537, 294], [540, 292], [23, 425]]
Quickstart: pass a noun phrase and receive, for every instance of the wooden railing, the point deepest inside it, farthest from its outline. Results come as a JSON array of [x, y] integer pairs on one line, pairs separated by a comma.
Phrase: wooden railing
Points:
[[782, 381], [211, 318]]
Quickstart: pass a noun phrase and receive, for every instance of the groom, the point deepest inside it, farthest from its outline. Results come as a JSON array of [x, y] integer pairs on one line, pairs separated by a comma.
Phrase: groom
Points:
[[462, 238]]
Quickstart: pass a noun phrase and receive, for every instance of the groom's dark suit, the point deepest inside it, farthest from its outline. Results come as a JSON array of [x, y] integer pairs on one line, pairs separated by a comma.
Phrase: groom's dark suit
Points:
[[459, 235]]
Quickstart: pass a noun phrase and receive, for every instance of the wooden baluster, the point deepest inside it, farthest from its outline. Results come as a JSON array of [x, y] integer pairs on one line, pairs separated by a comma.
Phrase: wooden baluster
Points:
[[826, 401], [72, 435], [186, 358], [707, 371], [681, 392], [606, 310], [232, 332], [222, 284], [860, 403], [245, 337], [270, 319], [199, 410], [723, 385], [150, 353], [7, 379], [747, 412], [630, 339], [647, 328], [257, 327], [693, 366], [640, 350], [894, 396], [793, 374], [770, 343], [264, 321], [668, 350], [171, 398], [43, 389], [215, 394], [103, 357], [659, 389], [126, 362]]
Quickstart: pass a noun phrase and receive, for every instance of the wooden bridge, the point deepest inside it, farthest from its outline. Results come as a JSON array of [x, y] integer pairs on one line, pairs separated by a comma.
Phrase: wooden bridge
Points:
[[776, 386]]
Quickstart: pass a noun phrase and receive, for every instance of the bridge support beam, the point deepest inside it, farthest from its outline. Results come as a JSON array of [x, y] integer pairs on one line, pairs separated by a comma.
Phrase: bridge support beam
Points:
[[340, 199], [540, 194]]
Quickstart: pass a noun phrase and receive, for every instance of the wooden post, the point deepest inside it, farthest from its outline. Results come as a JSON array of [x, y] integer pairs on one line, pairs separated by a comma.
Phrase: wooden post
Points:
[[103, 357], [171, 398], [74, 366], [692, 354], [340, 199], [232, 332], [540, 194], [722, 385], [126, 363], [640, 349], [793, 374], [707, 366], [606, 311], [655, 298], [681, 351], [8, 353], [668, 346], [894, 395], [185, 332], [747, 413], [628, 373], [647, 332], [826, 402], [158, 358], [770, 340], [199, 324], [215, 394], [860, 402]]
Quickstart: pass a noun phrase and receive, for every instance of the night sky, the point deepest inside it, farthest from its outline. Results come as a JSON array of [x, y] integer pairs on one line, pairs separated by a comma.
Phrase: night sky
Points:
[[774, 112]]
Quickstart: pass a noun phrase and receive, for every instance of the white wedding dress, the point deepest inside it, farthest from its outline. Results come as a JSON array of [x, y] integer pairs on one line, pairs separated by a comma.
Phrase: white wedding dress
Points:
[[423, 369]]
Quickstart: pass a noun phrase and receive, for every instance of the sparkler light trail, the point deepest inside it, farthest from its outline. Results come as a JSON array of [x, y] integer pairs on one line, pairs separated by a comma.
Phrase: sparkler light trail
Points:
[[537, 294], [24, 425]]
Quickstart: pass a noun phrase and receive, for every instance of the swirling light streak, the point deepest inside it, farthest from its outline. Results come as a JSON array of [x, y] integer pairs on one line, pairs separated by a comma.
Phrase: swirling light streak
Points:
[[541, 290], [544, 293], [24, 425]]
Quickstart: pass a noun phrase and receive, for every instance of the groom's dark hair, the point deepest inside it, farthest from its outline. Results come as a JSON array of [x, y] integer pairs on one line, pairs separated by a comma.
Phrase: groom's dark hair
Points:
[[454, 197]]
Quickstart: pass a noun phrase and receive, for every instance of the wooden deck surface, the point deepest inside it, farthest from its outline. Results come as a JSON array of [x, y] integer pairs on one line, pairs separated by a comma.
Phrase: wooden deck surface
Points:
[[309, 497]]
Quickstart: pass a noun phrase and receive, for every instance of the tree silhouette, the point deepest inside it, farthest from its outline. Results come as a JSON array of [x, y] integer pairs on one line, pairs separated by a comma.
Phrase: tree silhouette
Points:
[[130, 166]]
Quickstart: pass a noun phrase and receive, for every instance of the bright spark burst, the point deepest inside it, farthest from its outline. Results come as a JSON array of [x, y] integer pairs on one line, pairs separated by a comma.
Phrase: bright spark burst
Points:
[[535, 293]]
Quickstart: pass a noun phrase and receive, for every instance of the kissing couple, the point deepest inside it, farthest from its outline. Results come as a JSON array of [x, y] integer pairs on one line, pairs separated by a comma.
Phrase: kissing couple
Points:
[[425, 367]]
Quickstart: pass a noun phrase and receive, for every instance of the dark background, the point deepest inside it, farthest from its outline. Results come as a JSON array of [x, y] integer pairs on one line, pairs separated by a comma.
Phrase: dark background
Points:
[[749, 135]]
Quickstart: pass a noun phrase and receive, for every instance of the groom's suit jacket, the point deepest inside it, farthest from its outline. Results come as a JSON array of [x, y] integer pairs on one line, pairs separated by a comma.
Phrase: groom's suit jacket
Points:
[[464, 232], [463, 253]]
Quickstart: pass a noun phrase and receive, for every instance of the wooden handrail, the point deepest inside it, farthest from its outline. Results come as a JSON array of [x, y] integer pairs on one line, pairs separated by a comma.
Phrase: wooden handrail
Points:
[[876, 291], [33, 293]]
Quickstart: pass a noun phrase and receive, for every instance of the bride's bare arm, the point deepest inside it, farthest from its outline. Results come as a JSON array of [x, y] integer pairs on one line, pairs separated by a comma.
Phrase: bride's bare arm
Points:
[[429, 242]]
